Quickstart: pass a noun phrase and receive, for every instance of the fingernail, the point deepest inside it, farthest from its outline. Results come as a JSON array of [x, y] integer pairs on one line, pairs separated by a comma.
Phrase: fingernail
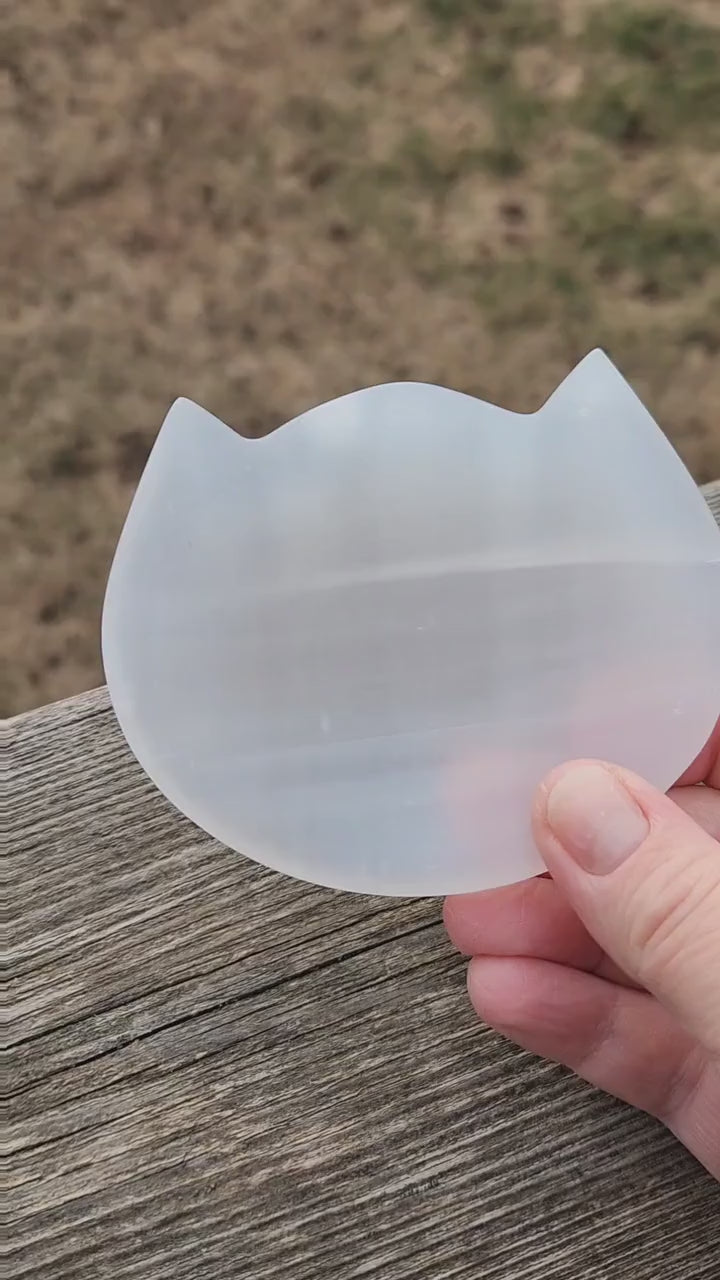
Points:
[[595, 818]]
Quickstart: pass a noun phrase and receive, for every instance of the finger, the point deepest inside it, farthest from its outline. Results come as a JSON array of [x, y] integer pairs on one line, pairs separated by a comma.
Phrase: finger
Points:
[[706, 767], [618, 1039], [530, 918], [702, 804], [645, 880]]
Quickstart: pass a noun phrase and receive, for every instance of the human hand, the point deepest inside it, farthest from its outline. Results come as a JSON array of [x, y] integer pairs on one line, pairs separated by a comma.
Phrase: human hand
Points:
[[612, 966]]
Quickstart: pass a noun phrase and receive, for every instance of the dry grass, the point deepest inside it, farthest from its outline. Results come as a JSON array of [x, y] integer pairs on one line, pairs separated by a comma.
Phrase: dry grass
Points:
[[263, 205]]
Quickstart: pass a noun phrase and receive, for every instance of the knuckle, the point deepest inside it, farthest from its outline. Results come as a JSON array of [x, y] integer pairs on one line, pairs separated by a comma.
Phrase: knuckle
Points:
[[672, 915], [681, 1084]]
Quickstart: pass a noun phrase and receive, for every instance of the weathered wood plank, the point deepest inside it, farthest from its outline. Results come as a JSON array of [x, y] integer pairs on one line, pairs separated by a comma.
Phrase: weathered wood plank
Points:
[[217, 1072], [712, 497]]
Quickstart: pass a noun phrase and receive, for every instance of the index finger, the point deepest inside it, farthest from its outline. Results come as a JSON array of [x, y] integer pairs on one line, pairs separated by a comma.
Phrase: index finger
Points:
[[706, 767]]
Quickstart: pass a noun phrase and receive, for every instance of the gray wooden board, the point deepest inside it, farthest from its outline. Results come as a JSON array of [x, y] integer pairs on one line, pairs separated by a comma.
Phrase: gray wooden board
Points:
[[212, 1071]]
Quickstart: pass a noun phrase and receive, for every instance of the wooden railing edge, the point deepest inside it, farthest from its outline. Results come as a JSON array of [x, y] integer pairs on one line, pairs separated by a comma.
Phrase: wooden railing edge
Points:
[[711, 494]]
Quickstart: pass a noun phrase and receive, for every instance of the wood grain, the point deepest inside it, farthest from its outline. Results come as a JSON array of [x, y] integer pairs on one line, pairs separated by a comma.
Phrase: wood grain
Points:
[[215, 1072], [712, 497]]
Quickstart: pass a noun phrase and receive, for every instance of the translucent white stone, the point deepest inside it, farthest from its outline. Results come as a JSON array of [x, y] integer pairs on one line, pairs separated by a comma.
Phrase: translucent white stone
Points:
[[351, 650]]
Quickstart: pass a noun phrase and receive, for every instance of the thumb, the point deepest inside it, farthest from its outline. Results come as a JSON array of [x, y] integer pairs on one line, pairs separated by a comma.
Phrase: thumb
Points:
[[644, 879]]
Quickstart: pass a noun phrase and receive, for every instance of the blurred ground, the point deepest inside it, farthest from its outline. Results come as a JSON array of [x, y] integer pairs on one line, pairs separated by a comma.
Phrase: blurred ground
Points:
[[261, 205]]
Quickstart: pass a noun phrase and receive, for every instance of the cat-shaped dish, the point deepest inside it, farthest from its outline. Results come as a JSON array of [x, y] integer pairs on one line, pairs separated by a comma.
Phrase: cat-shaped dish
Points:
[[351, 649]]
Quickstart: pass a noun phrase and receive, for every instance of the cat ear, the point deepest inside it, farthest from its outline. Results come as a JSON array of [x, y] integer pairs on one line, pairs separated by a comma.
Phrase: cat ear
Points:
[[325, 644], [620, 468]]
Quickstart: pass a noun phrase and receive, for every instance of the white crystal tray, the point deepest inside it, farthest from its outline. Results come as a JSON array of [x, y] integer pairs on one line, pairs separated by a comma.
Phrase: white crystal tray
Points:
[[350, 650]]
